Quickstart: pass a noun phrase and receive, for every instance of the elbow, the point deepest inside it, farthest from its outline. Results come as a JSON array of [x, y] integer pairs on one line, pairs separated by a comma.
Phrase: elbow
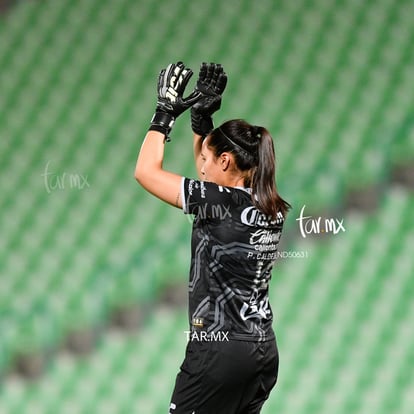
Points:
[[143, 177], [139, 175]]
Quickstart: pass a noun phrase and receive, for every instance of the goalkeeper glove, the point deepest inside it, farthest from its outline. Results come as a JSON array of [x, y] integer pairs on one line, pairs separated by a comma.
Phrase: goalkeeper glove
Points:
[[171, 103], [212, 81]]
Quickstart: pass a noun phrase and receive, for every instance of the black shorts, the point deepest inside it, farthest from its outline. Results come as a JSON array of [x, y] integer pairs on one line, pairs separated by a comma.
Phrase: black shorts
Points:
[[230, 377]]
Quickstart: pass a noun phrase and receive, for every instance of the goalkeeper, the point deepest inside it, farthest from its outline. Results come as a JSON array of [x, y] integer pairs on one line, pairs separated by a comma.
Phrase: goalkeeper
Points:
[[231, 361]]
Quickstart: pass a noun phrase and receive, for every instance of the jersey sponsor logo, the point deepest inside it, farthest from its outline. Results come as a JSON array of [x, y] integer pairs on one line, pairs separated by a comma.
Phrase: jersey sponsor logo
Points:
[[251, 216], [199, 322], [190, 187], [264, 237], [256, 310], [202, 189], [265, 244]]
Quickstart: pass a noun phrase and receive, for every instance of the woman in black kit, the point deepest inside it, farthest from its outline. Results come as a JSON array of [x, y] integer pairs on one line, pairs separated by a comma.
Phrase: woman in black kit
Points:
[[231, 360]]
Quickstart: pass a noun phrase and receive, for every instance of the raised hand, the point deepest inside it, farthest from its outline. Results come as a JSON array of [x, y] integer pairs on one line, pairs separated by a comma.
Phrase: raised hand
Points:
[[172, 82], [212, 81]]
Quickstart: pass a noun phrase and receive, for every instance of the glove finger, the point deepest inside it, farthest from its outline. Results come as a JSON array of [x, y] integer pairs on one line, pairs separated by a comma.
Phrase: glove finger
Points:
[[183, 79], [169, 72], [170, 76], [179, 65], [176, 76], [216, 73], [203, 72], [217, 70], [161, 82], [221, 83], [210, 72]]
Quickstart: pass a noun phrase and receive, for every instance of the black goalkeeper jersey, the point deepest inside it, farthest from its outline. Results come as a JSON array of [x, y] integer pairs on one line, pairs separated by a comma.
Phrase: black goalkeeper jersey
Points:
[[233, 249]]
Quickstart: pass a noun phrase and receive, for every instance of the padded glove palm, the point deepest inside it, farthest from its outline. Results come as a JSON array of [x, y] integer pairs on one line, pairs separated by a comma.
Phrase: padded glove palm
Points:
[[212, 81]]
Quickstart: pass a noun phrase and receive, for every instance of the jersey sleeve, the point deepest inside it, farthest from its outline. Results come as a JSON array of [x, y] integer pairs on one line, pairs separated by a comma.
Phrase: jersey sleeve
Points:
[[201, 196]]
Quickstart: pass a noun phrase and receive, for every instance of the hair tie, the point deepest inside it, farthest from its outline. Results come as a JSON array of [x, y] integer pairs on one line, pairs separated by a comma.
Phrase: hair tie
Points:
[[256, 132]]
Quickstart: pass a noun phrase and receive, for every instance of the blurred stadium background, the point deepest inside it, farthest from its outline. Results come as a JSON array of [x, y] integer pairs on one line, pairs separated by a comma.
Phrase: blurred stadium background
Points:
[[93, 270]]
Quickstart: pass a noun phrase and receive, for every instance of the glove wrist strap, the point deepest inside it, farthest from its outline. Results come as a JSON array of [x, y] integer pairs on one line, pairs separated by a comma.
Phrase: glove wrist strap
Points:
[[201, 125], [162, 122]]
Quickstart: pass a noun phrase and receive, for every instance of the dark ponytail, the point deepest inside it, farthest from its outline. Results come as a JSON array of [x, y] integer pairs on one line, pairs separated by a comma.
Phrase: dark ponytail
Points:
[[254, 155], [263, 183]]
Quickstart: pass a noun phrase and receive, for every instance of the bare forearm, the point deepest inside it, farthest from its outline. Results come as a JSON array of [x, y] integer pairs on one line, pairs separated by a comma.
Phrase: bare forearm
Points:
[[150, 174], [151, 155]]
